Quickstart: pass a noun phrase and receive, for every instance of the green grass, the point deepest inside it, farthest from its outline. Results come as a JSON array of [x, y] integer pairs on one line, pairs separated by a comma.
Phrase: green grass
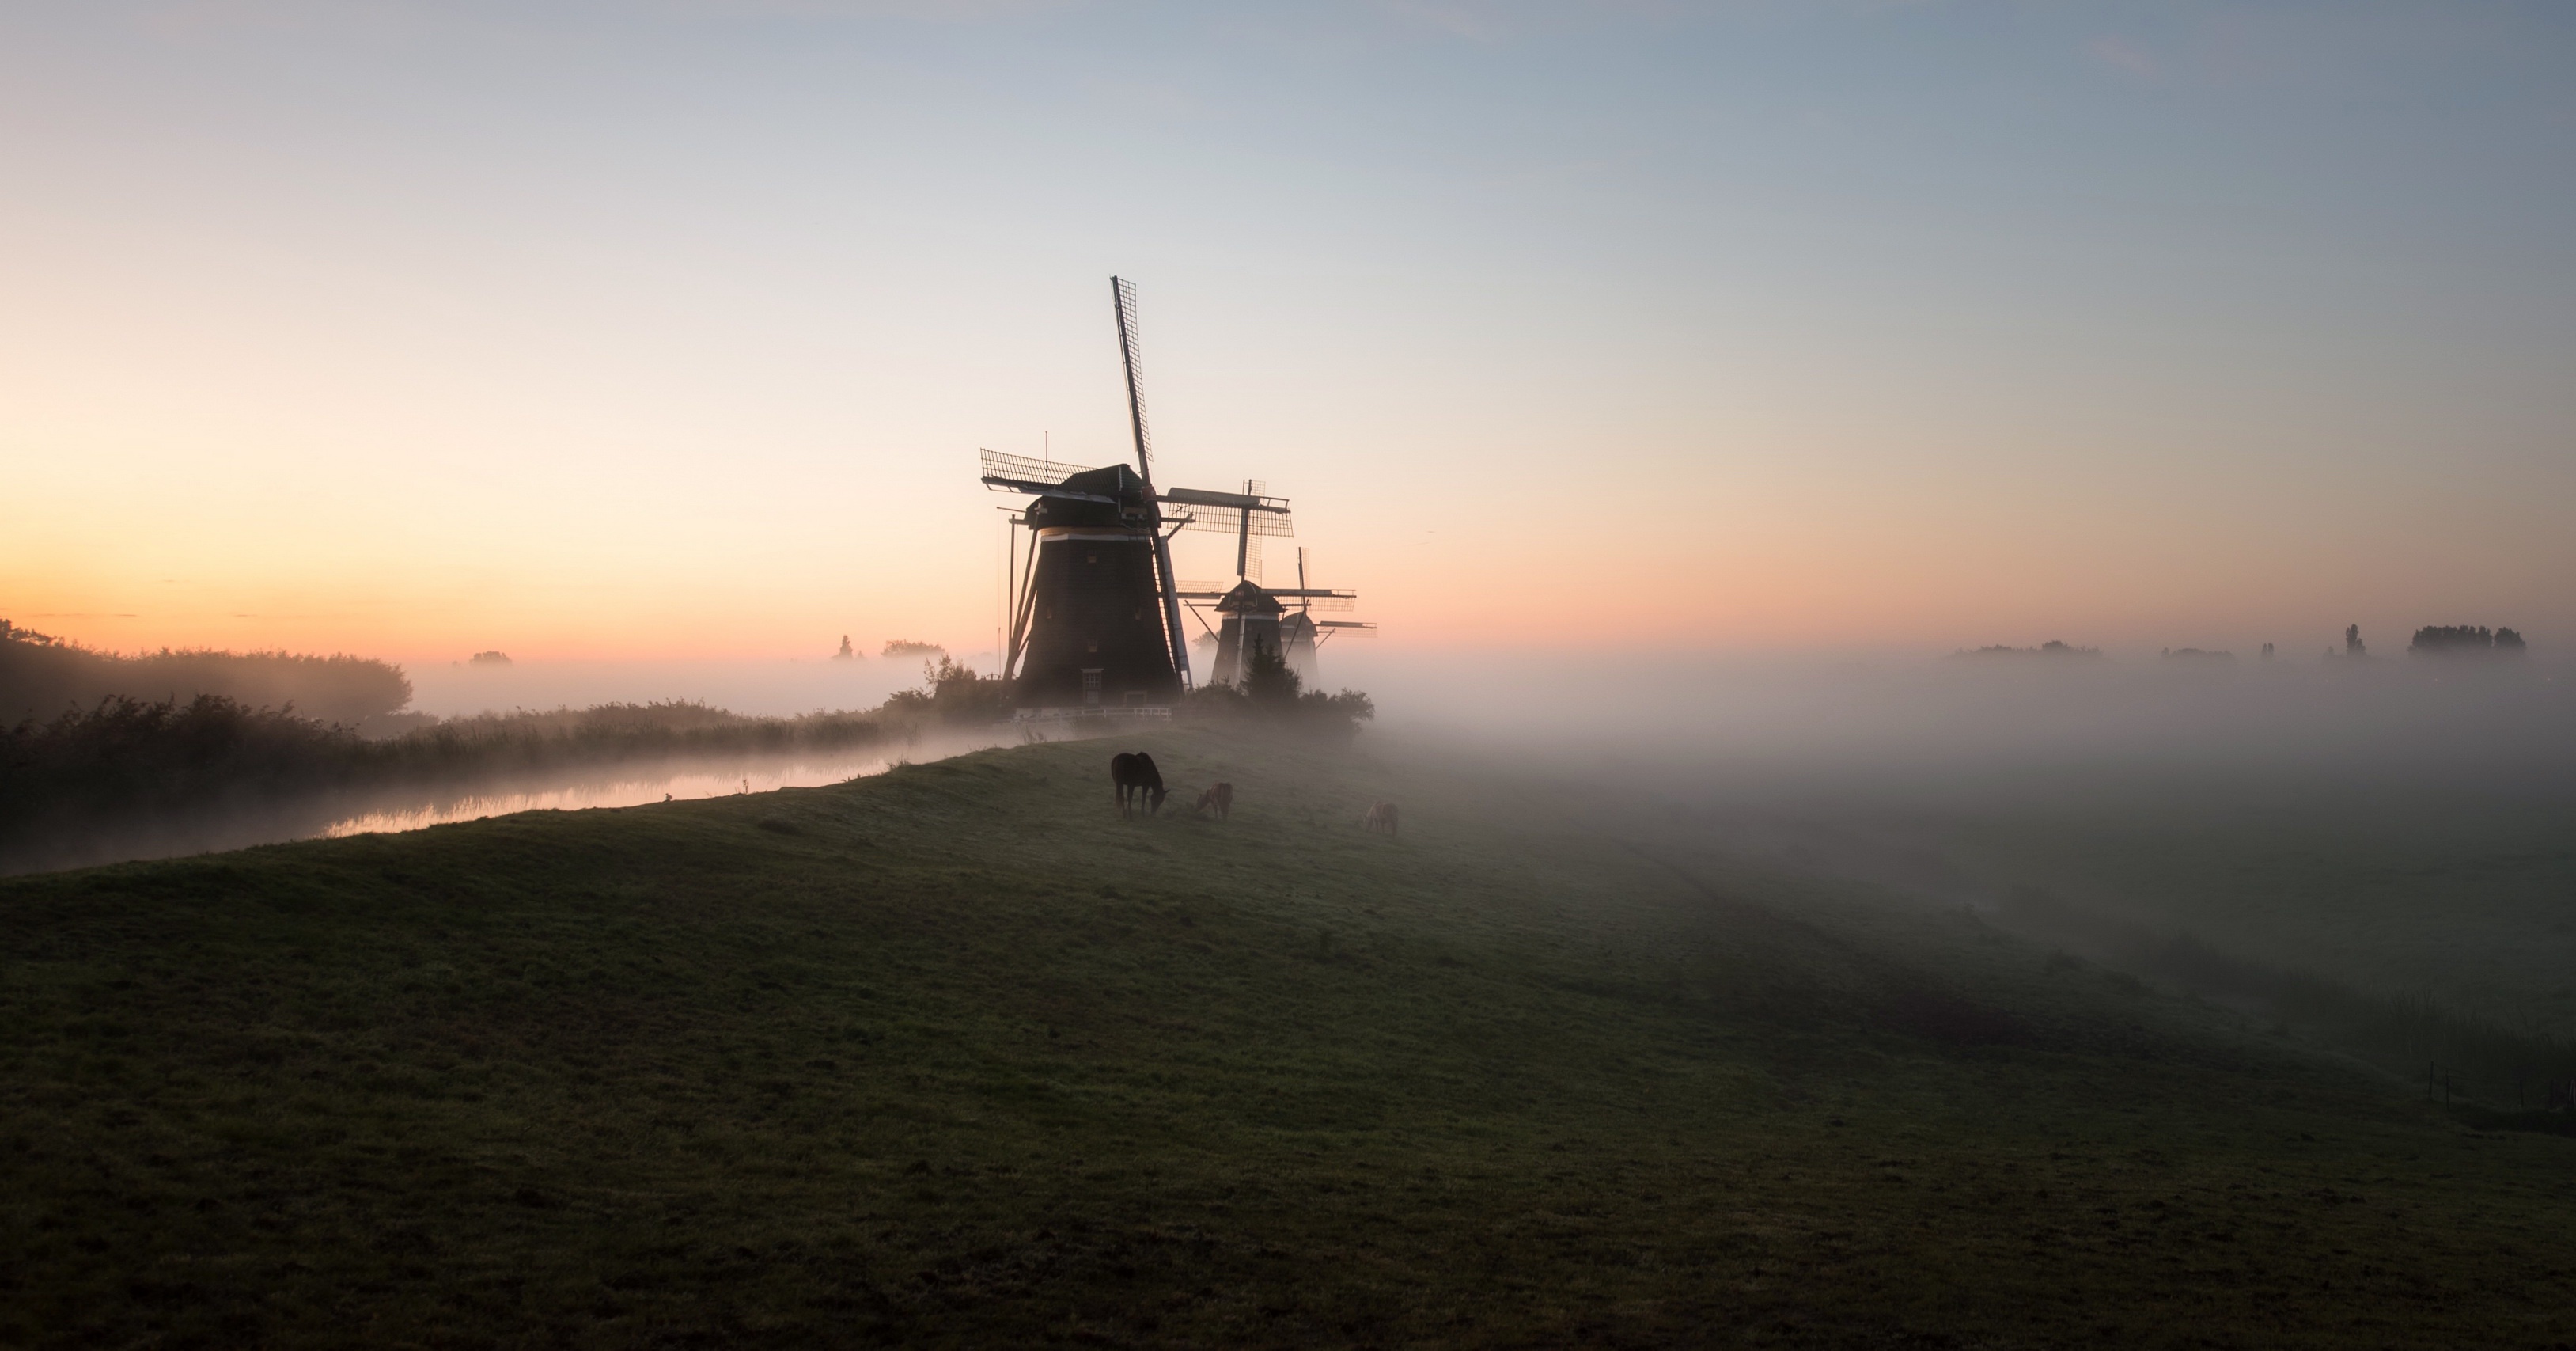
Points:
[[2461, 897], [954, 1056]]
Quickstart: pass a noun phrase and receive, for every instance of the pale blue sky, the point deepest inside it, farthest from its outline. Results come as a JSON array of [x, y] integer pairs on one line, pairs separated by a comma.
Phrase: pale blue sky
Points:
[[1755, 325]]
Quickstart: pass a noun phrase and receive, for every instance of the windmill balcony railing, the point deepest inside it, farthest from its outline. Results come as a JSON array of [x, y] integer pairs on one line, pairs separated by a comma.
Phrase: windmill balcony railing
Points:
[[1094, 713]]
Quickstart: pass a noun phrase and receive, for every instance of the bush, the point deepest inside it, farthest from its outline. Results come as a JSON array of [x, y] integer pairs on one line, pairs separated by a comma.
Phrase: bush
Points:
[[954, 693], [1270, 692], [124, 755]]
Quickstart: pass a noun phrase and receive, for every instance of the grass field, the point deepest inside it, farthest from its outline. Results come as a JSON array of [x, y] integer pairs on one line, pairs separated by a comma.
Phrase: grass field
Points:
[[956, 1057], [2468, 899]]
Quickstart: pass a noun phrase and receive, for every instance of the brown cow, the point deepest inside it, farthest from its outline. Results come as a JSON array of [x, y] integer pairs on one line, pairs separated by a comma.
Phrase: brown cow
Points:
[[1219, 800], [1381, 816]]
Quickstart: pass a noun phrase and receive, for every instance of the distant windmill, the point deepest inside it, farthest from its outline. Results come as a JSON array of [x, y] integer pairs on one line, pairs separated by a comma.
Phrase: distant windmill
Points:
[[1096, 621], [1254, 617], [1300, 633]]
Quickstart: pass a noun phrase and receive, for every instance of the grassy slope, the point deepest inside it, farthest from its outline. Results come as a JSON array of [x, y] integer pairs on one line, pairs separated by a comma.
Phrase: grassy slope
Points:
[[2466, 901], [955, 1056]]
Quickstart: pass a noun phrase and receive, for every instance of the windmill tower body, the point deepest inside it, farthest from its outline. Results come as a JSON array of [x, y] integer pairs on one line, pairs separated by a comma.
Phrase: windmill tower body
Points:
[[1297, 647], [1096, 628], [1249, 619]]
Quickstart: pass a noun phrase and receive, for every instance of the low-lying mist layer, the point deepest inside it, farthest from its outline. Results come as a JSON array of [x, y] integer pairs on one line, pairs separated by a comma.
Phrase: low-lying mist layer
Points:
[[87, 786], [2376, 855]]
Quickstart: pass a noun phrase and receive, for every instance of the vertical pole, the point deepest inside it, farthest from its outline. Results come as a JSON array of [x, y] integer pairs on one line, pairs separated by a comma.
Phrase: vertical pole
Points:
[[1010, 578]]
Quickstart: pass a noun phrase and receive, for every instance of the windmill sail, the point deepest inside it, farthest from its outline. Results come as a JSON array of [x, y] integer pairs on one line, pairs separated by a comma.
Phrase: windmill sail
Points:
[[1023, 474], [1123, 294]]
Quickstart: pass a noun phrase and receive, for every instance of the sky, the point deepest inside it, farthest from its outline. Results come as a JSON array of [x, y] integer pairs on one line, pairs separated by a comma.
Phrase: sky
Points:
[[670, 328]]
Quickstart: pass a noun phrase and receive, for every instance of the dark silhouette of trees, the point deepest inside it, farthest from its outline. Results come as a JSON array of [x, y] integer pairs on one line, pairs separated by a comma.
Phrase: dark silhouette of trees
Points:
[[955, 693], [41, 676], [2051, 648], [1267, 681], [1272, 692], [2449, 640]]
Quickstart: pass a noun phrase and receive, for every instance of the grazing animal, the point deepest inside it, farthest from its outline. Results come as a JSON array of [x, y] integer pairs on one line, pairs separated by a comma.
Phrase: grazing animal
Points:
[[1137, 781], [1219, 800], [1381, 816]]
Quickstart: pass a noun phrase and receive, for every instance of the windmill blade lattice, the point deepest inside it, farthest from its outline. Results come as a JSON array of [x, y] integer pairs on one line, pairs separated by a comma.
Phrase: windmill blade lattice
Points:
[[1229, 520], [1011, 469]]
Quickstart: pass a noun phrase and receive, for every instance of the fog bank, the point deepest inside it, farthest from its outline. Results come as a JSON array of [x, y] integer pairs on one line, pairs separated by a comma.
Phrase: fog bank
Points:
[[1895, 719], [750, 686]]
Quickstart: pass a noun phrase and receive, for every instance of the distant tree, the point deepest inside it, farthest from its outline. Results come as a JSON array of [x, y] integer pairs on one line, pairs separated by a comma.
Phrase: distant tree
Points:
[[1267, 680], [41, 676], [906, 647], [2051, 648], [846, 653], [2352, 645], [956, 693], [2447, 640], [494, 658], [2267, 651]]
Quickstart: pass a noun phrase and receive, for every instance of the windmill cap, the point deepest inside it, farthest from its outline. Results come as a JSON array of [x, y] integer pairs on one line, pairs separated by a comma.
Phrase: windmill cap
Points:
[[1248, 598], [1117, 481]]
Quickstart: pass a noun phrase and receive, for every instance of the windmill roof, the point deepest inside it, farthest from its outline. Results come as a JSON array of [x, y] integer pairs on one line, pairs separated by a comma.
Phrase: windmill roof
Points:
[[1115, 480], [1248, 597]]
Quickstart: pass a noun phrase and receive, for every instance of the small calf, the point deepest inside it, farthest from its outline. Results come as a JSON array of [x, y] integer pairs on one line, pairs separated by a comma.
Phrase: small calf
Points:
[[1381, 816], [1218, 801]]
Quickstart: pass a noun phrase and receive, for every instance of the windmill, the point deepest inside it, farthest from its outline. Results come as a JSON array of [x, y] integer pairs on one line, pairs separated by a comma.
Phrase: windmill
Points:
[[1096, 619], [1301, 633], [1254, 617]]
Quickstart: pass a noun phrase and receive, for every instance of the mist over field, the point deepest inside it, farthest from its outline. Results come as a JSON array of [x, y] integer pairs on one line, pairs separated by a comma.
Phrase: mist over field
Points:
[[760, 687], [1944, 724], [2403, 829]]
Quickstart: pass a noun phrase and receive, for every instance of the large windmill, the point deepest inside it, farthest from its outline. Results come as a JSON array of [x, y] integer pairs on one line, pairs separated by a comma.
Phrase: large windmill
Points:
[[1096, 615]]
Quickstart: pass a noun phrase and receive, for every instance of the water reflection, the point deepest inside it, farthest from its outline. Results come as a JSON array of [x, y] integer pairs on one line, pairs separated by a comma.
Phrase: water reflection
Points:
[[243, 823], [630, 788]]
